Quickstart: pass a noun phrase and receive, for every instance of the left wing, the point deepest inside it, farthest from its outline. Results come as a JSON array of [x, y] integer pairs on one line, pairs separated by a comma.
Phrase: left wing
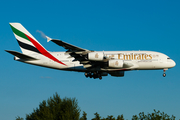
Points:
[[68, 46], [78, 53]]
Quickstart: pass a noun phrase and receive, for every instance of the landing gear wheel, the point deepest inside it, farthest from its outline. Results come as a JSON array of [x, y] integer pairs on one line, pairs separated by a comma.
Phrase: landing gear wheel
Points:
[[86, 74], [93, 75], [164, 74]]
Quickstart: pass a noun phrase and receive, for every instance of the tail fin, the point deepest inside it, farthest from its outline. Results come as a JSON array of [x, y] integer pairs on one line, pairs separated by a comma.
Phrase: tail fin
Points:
[[27, 43]]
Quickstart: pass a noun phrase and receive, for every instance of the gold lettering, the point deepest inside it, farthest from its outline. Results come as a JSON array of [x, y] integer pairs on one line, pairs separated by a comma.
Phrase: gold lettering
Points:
[[127, 57], [111, 56], [135, 56], [96, 55], [146, 57], [139, 57], [142, 56], [118, 56], [150, 57]]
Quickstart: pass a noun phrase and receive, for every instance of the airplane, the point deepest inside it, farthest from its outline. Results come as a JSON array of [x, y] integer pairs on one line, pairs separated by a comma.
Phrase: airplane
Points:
[[94, 64]]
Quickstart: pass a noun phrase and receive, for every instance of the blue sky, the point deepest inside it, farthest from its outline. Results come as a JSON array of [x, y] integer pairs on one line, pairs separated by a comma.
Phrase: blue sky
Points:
[[94, 25]]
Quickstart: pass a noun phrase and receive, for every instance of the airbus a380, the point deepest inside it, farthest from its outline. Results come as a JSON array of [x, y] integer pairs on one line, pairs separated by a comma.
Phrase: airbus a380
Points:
[[94, 64]]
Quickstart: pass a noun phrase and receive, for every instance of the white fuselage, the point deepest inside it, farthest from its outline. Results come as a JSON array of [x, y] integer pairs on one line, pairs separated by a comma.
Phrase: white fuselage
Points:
[[140, 60]]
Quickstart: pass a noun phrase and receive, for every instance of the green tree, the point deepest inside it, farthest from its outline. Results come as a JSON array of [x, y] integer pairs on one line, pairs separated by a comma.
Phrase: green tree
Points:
[[84, 117], [56, 108], [120, 117], [19, 118], [110, 117], [97, 117], [157, 115]]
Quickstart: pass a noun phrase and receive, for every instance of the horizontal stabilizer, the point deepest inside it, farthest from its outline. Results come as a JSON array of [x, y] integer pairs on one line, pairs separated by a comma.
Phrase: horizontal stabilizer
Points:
[[20, 55]]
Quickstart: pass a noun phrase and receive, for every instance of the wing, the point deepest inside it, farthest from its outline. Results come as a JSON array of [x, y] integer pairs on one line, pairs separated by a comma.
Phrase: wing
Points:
[[78, 53], [68, 46]]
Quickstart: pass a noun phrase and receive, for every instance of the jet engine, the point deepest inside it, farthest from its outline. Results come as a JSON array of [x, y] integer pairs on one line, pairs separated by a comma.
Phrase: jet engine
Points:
[[96, 56], [115, 63]]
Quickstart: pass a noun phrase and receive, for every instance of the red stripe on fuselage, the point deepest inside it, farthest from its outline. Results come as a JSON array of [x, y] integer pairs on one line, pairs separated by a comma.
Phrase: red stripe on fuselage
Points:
[[43, 51]]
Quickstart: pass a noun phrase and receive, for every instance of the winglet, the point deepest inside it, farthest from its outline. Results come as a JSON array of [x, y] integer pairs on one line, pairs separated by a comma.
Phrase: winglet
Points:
[[48, 38]]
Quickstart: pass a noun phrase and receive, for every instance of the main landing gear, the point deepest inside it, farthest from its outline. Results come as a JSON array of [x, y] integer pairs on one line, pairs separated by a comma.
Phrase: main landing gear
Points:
[[164, 74], [93, 75]]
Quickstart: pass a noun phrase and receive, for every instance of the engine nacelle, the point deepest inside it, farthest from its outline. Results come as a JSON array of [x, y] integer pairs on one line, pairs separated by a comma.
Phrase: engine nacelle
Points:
[[96, 56], [115, 63], [117, 73]]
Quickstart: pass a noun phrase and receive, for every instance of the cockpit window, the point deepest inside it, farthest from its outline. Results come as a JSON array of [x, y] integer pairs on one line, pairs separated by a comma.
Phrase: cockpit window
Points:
[[168, 58]]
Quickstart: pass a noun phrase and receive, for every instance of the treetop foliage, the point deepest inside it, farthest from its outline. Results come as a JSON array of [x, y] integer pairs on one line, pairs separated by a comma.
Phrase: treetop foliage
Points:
[[157, 115], [56, 108], [109, 117], [84, 117]]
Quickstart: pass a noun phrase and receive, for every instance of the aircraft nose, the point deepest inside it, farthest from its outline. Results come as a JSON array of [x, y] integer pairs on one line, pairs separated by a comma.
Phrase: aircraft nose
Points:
[[173, 63]]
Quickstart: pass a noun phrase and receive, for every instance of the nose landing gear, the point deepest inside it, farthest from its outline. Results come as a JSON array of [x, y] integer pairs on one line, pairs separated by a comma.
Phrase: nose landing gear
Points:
[[164, 74]]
